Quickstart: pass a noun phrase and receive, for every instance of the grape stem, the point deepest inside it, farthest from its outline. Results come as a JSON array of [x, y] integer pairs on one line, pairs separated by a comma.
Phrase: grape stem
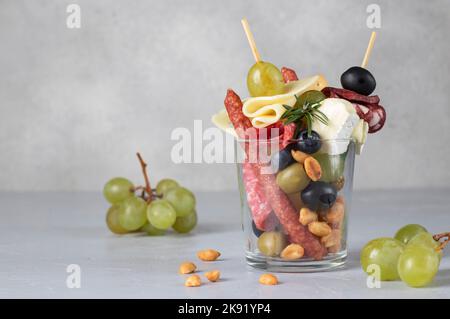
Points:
[[137, 188], [438, 237], [147, 188]]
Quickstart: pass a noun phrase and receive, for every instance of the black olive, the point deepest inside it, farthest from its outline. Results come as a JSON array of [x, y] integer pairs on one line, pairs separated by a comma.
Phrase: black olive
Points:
[[359, 80], [282, 159], [308, 144], [319, 195]]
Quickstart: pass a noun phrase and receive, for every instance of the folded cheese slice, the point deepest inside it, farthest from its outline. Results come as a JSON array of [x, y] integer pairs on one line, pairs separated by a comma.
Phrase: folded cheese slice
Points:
[[266, 110], [222, 121]]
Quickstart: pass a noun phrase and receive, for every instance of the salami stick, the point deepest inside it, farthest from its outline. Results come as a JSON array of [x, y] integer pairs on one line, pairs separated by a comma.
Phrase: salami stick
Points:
[[288, 217], [256, 199], [282, 207]]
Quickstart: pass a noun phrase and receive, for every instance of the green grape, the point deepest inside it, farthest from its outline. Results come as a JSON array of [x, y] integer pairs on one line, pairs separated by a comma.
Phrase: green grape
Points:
[[112, 220], [427, 240], [423, 239], [383, 252], [181, 199], [264, 79], [164, 185], [407, 232], [132, 213], [186, 224], [117, 189], [161, 214], [418, 265], [332, 166], [152, 230]]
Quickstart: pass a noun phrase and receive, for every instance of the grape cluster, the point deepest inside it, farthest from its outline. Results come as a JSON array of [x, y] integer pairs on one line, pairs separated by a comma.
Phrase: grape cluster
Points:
[[153, 211], [413, 255]]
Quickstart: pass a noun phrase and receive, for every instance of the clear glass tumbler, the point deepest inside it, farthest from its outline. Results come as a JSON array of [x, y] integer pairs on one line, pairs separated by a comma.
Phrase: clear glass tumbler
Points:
[[295, 218]]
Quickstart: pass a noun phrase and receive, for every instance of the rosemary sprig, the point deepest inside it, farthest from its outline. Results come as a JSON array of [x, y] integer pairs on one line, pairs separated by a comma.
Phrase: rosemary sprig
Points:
[[308, 112]]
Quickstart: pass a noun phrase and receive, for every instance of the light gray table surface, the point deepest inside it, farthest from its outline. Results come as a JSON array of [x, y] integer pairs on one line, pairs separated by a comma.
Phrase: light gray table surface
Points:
[[42, 233]]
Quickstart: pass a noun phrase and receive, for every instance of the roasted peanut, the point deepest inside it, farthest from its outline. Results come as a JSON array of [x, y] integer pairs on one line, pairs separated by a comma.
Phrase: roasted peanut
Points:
[[268, 279], [307, 216], [193, 281], [299, 156], [339, 184], [333, 239], [213, 275], [320, 229], [208, 255], [340, 199], [187, 268], [292, 251], [334, 249], [312, 168], [335, 215]]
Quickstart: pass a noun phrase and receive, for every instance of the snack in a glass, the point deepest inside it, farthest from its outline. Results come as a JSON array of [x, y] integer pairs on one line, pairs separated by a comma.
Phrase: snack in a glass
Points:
[[298, 139]]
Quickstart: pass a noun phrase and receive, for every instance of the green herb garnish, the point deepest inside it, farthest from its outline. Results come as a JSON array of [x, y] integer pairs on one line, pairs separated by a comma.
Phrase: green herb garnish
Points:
[[304, 112]]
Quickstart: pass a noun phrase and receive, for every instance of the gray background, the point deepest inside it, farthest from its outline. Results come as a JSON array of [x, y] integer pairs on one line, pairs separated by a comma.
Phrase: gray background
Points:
[[76, 104]]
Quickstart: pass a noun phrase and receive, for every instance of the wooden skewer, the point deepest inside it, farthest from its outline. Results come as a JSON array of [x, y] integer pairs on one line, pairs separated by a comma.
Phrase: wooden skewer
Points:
[[251, 40], [369, 49]]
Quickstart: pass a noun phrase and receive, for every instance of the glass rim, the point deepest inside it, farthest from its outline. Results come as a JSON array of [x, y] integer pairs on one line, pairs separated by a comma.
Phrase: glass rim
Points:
[[277, 139]]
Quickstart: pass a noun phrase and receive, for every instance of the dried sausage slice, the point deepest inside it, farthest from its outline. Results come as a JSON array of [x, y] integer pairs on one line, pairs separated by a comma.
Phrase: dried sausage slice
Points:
[[288, 75]]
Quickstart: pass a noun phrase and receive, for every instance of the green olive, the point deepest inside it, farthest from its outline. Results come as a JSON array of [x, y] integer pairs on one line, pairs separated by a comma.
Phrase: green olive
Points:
[[271, 243], [296, 200], [293, 179]]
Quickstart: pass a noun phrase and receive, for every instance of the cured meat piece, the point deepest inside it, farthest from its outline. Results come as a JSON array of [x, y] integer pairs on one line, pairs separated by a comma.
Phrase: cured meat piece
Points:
[[288, 130], [256, 199], [363, 112], [367, 107], [280, 203], [272, 222], [288, 75], [350, 96], [288, 135], [373, 114], [378, 119], [288, 217], [233, 105], [268, 134]]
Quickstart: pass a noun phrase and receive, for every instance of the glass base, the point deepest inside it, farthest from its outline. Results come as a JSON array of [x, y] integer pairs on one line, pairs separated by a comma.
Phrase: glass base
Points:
[[330, 262]]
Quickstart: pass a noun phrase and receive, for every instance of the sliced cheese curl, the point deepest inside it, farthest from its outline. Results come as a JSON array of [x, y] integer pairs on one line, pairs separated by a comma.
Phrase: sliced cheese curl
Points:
[[266, 110]]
